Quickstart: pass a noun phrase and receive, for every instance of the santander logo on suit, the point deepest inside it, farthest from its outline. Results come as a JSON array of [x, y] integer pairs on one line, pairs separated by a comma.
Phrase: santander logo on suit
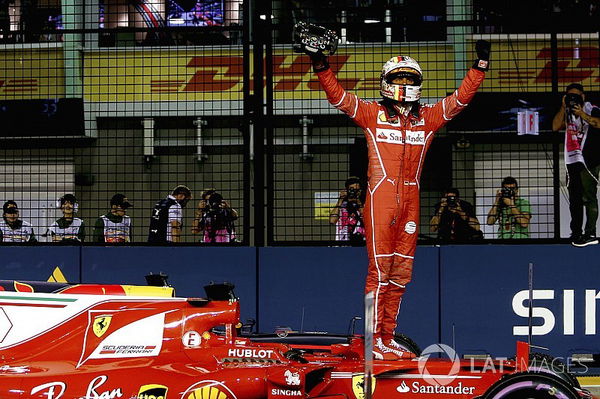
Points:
[[395, 137]]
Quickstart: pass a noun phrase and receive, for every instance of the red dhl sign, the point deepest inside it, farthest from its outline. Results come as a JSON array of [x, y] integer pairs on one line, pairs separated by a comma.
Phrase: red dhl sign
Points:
[[27, 73], [18, 86], [575, 65], [571, 69], [225, 73], [290, 77], [211, 77], [32, 88]]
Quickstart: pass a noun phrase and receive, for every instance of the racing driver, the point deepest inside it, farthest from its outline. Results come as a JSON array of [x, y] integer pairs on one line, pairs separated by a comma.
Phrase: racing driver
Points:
[[399, 131]]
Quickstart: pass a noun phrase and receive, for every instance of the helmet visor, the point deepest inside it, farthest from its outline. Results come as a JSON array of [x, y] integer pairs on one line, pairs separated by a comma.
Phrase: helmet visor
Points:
[[399, 74]]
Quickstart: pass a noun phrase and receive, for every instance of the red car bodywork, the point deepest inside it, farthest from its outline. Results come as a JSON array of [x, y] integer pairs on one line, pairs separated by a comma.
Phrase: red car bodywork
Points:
[[117, 346]]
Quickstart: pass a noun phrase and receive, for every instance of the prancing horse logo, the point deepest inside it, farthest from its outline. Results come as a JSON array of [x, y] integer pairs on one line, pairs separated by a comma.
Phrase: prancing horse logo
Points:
[[101, 324], [358, 385]]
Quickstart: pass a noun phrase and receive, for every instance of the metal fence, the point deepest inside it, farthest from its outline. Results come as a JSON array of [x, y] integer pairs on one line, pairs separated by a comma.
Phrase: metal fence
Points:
[[106, 97]]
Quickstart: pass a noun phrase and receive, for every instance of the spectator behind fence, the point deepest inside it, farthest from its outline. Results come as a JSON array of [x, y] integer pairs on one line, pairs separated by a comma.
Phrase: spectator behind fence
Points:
[[454, 219], [115, 226], [214, 218], [512, 212], [581, 120], [68, 227], [13, 229], [347, 214], [166, 222]]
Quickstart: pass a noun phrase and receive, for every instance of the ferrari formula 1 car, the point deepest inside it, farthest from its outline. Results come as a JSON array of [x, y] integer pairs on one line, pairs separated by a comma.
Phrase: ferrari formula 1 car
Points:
[[60, 341]]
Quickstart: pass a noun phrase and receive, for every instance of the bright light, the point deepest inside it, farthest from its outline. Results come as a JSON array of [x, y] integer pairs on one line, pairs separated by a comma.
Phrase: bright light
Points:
[[176, 21], [372, 21]]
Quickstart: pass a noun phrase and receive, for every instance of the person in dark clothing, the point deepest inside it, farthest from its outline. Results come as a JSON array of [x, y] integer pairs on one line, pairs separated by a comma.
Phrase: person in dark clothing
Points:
[[167, 216], [454, 219]]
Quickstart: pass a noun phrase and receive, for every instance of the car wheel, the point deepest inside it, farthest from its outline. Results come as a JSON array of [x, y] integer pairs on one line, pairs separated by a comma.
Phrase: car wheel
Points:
[[408, 343], [531, 385], [546, 363]]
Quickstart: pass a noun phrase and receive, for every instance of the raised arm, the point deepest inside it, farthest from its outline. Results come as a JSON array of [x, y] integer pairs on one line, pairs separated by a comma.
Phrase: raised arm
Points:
[[452, 105], [558, 122], [337, 96], [593, 118]]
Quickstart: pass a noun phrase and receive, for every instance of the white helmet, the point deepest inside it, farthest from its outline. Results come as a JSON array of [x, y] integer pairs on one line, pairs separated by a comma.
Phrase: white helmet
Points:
[[401, 66]]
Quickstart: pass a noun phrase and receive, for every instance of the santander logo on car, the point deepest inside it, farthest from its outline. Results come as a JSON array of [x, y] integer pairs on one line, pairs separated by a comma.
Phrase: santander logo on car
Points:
[[418, 387], [403, 388]]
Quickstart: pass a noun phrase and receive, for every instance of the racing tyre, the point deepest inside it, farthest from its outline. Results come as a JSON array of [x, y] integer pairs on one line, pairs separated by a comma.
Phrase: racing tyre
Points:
[[408, 343], [531, 385], [544, 363]]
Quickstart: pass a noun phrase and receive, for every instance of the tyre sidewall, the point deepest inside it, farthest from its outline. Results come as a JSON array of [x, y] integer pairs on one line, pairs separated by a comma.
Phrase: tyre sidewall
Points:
[[510, 386]]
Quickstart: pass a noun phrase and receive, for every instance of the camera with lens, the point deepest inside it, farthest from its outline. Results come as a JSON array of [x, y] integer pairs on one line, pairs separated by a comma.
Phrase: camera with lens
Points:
[[215, 201], [352, 193], [452, 201], [507, 192], [217, 215], [573, 99]]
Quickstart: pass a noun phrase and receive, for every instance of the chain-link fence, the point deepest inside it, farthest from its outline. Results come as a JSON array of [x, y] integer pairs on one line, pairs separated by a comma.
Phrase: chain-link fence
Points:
[[135, 98]]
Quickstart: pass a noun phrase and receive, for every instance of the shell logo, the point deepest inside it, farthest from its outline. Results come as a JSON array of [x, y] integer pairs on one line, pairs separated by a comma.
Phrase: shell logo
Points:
[[207, 392], [208, 389]]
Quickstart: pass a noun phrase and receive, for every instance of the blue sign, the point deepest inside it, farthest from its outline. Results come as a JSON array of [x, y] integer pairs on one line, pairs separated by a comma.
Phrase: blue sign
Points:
[[474, 298]]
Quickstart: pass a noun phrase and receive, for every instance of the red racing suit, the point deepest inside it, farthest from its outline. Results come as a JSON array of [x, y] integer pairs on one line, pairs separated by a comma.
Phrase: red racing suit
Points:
[[396, 150]]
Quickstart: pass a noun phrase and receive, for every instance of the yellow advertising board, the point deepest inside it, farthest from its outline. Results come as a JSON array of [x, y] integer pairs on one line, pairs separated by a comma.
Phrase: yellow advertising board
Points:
[[190, 74], [31, 73], [163, 75], [526, 65], [215, 75]]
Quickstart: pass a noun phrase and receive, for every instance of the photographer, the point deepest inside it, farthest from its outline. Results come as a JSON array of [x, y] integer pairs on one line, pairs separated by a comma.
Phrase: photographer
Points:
[[214, 218], [512, 212], [200, 209], [347, 215], [454, 219], [581, 121]]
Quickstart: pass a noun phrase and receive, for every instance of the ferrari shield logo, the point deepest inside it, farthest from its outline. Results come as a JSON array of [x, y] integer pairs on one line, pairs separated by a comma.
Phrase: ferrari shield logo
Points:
[[101, 324], [358, 385]]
